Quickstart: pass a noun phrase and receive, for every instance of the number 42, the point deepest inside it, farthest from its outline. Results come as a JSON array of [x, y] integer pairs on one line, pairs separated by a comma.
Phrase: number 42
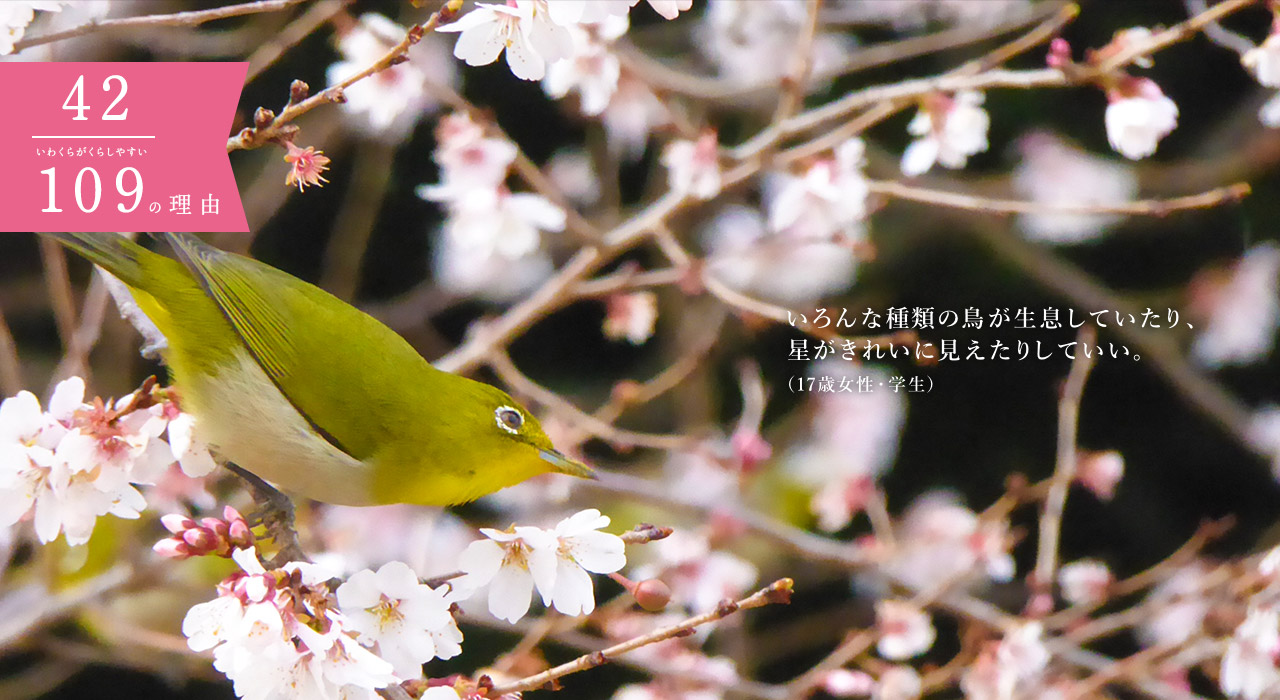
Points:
[[77, 93]]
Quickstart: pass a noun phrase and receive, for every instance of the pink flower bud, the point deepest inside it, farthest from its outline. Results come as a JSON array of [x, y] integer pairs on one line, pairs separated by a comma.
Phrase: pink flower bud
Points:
[[652, 594], [176, 523], [200, 541], [171, 548]]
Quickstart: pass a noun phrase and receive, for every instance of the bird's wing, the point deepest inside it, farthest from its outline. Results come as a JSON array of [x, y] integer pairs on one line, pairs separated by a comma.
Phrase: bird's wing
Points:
[[303, 339]]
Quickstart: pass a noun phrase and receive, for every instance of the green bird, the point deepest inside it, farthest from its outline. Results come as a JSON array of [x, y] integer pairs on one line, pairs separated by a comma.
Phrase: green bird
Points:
[[313, 395]]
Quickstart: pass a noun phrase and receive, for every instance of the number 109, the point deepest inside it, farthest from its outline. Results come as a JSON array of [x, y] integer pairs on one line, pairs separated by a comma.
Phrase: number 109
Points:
[[135, 191]]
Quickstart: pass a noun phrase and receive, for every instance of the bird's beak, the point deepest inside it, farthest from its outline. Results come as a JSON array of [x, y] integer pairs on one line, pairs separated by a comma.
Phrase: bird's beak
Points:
[[564, 465]]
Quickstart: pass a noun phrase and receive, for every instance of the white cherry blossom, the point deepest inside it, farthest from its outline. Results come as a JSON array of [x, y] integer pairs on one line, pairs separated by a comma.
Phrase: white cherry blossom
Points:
[[582, 548], [392, 100], [776, 266], [503, 223], [1264, 61], [408, 622], [1241, 309], [1085, 581], [523, 29], [905, 630], [828, 199], [631, 317], [1249, 663], [949, 130], [1138, 117], [1055, 172], [14, 18], [898, 683], [693, 167], [669, 9], [510, 564], [592, 69]]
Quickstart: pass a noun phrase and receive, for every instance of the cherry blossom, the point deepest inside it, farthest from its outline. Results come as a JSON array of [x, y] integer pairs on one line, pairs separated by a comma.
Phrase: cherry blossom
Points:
[[408, 622], [592, 69], [502, 223], [1054, 172], [692, 166], [905, 630], [751, 43], [1180, 607], [843, 683], [1249, 663], [1241, 309], [631, 316], [572, 173], [792, 269], [557, 562], [941, 539], [510, 564], [1085, 581], [1138, 116], [523, 28], [850, 443], [1100, 472], [949, 130], [276, 634], [670, 8], [306, 166], [828, 199], [393, 100], [78, 461], [1264, 435], [632, 115], [582, 548], [1264, 62], [898, 683], [15, 16]]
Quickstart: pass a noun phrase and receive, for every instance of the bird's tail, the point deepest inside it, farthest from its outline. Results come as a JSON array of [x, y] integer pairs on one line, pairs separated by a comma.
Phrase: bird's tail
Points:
[[110, 251]]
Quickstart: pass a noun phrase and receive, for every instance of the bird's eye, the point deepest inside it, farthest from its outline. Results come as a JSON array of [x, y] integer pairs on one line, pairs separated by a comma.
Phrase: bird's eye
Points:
[[509, 419]]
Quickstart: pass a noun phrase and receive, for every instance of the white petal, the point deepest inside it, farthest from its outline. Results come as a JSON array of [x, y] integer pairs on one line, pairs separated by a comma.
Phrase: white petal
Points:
[[481, 560], [919, 157], [537, 210], [67, 397], [20, 417], [525, 62], [510, 593], [480, 45]]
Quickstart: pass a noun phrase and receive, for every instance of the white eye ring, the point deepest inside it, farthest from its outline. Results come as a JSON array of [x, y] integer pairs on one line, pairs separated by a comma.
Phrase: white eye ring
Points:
[[509, 419]]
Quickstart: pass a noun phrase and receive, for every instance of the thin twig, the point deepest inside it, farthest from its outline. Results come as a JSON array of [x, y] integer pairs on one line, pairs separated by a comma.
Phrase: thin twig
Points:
[[178, 19], [61, 295], [279, 127], [10, 366], [501, 363], [300, 28], [1218, 34], [1065, 471], [1148, 207], [777, 592], [797, 79]]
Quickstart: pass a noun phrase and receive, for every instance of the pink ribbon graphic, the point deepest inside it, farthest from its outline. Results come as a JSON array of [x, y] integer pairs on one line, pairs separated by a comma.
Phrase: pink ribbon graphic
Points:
[[119, 147]]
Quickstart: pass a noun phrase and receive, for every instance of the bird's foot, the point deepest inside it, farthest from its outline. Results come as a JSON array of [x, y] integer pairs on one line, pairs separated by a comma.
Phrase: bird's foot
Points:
[[275, 513]]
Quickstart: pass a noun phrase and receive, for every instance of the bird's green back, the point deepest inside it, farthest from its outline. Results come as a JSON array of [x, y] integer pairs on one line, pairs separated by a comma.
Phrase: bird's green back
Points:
[[358, 382]]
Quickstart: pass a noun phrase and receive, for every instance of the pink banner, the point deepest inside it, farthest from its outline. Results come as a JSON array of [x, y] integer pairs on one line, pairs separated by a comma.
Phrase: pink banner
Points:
[[118, 147]]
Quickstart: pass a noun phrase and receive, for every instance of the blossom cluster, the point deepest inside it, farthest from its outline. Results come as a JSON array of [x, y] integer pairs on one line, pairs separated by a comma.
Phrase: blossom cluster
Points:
[[535, 33], [489, 232], [15, 16], [284, 633], [75, 461]]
